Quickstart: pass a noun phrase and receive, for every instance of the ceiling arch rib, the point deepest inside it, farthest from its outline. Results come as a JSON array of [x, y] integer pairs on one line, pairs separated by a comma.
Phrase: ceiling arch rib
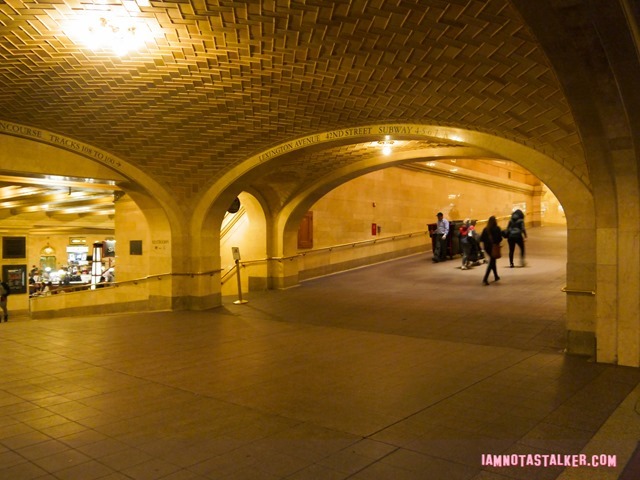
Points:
[[276, 172], [294, 172], [572, 189], [214, 83]]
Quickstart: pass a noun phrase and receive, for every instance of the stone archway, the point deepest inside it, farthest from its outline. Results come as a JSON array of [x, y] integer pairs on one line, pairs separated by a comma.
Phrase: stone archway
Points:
[[598, 73], [37, 153], [246, 229], [566, 178], [573, 194]]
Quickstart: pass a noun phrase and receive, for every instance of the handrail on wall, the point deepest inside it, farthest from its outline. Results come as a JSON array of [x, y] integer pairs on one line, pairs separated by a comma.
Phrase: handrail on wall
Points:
[[169, 274], [246, 263], [351, 244], [233, 221], [370, 241], [135, 281], [227, 274], [578, 291]]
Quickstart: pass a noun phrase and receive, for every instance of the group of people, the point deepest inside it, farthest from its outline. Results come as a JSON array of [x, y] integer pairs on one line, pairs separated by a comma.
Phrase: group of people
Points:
[[40, 282], [43, 282], [491, 239]]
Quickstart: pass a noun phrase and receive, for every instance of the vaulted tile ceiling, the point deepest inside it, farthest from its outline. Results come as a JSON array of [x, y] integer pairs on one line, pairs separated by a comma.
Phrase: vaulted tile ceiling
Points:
[[216, 81], [55, 196]]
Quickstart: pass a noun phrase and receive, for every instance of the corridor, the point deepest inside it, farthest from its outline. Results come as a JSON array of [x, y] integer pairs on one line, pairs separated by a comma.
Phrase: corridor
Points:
[[403, 370]]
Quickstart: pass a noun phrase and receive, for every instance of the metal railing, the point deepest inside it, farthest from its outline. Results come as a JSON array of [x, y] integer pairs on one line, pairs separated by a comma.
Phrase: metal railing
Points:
[[245, 263], [159, 276], [233, 221], [578, 291], [228, 275], [360, 243]]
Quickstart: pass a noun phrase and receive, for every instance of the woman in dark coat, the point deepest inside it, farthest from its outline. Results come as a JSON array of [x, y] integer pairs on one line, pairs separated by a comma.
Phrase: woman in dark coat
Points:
[[516, 234], [491, 235]]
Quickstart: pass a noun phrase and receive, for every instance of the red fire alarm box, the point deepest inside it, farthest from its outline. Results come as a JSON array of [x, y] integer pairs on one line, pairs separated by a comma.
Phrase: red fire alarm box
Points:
[[374, 229]]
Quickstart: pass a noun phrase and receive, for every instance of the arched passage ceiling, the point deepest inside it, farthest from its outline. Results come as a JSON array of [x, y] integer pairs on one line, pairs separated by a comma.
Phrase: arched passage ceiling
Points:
[[279, 180], [218, 81]]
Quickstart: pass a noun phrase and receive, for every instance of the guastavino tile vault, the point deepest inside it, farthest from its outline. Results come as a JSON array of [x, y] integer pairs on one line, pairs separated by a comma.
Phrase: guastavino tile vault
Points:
[[176, 147]]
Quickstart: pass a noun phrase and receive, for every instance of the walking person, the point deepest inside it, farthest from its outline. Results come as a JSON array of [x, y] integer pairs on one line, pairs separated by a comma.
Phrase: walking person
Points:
[[440, 240], [5, 290], [491, 238], [516, 235], [465, 243]]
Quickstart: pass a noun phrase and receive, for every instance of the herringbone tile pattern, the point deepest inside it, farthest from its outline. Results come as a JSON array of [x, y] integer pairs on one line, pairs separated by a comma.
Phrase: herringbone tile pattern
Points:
[[218, 81]]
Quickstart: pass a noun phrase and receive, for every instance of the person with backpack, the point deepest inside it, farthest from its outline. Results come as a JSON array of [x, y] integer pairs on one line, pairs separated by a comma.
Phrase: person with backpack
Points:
[[5, 291], [516, 234]]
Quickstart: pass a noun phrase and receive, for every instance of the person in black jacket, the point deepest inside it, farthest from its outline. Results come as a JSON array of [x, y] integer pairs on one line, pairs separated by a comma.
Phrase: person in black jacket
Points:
[[516, 234], [491, 235], [5, 290]]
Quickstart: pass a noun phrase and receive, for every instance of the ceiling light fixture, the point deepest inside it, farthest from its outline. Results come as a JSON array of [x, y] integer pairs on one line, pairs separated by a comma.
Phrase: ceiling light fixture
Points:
[[386, 145], [104, 31]]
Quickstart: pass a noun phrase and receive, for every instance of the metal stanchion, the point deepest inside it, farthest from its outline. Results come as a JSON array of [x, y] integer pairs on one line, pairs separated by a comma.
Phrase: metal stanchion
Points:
[[236, 255]]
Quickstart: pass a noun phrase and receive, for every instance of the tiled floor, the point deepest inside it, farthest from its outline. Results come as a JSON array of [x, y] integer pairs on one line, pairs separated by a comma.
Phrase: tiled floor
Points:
[[405, 370]]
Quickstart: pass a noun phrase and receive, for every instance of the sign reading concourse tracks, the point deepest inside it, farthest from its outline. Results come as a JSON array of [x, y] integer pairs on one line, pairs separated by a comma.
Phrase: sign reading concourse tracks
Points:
[[61, 142], [109, 160]]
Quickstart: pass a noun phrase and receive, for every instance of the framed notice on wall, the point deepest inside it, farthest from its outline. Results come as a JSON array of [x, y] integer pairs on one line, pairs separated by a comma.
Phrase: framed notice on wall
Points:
[[135, 247], [14, 247], [16, 277], [109, 248]]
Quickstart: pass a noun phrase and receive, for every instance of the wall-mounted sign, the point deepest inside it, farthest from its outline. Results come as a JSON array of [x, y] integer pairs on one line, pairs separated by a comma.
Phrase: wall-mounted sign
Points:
[[109, 248], [16, 277], [135, 247], [14, 247]]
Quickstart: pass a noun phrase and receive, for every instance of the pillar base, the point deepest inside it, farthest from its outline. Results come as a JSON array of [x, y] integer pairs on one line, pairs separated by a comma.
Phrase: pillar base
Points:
[[581, 343]]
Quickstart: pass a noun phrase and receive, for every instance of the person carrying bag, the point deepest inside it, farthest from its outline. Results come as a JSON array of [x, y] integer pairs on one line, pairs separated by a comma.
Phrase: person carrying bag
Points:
[[491, 238]]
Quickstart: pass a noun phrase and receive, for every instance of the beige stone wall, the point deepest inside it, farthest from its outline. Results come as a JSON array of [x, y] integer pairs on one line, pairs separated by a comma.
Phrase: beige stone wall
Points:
[[552, 212], [131, 224], [499, 169], [402, 201]]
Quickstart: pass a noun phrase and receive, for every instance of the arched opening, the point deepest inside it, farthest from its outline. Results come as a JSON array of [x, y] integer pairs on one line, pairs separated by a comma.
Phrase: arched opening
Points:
[[48, 259], [63, 196], [244, 229], [384, 214], [344, 155]]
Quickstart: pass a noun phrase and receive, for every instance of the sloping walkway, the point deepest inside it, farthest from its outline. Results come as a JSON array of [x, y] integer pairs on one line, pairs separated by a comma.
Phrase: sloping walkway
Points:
[[403, 370]]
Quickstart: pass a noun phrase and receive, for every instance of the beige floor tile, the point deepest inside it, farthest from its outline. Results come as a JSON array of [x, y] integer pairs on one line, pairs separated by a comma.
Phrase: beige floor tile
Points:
[[401, 375], [42, 449]]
